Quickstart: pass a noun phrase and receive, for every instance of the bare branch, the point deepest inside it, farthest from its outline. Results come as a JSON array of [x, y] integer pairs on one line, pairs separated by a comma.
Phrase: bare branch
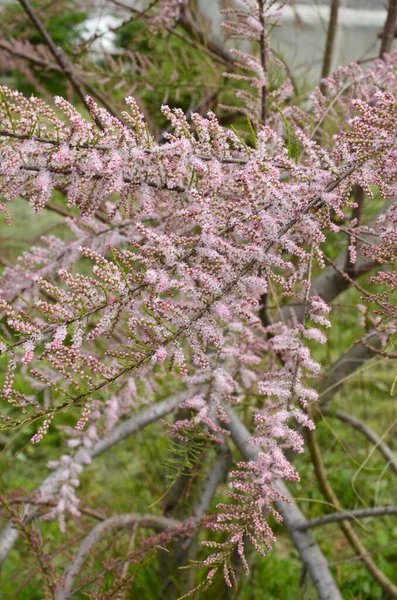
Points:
[[9, 534], [389, 29], [263, 52], [351, 515], [331, 33], [349, 533], [56, 52], [369, 433], [157, 522]]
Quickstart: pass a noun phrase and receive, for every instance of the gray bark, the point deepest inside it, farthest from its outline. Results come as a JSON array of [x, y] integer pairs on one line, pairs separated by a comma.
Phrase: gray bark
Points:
[[294, 520], [9, 534]]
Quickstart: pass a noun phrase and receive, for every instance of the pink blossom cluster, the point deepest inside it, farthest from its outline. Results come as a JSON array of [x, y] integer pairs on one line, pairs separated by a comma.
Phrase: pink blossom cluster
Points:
[[185, 240]]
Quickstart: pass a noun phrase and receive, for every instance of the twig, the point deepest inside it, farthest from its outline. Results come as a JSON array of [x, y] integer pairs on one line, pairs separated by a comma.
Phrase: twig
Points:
[[349, 533], [369, 434], [345, 275], [389, 29], [156, 522], [350, 515], [57, 54]]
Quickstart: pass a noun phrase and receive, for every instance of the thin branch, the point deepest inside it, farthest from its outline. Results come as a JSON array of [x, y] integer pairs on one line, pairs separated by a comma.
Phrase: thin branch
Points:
[[345, 366], [156, 522], [263, 52], [9, 534], [56, 52], [346, 276], [389, 29], [45, 503], [369, 433], [349, 533], [360, 556], [350, 515], [331, 34]]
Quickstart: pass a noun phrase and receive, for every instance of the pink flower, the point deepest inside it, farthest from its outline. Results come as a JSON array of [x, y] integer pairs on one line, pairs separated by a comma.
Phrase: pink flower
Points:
[[160, 355]]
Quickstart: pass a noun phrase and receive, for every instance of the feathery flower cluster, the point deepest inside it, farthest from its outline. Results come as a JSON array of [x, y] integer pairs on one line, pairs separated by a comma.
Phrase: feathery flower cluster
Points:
[[209, 223], [184, 240], [166, 14]]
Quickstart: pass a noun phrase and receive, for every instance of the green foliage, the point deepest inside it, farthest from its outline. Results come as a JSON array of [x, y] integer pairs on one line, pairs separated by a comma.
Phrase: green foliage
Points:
[[64, 23], [64, 26], [175, 72]]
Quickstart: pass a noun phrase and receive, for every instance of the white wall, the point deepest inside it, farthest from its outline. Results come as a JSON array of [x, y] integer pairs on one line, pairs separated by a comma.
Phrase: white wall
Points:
[[300, 40]]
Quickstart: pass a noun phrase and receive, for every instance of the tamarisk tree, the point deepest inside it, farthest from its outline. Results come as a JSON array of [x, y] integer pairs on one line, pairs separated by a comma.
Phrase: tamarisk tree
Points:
[[188, 286]]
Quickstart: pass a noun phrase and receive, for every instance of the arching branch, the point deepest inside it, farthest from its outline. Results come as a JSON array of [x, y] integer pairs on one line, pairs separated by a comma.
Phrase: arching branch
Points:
[[9, 534], [115, 522], [369, 433], [319, 468], [350, 515]]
